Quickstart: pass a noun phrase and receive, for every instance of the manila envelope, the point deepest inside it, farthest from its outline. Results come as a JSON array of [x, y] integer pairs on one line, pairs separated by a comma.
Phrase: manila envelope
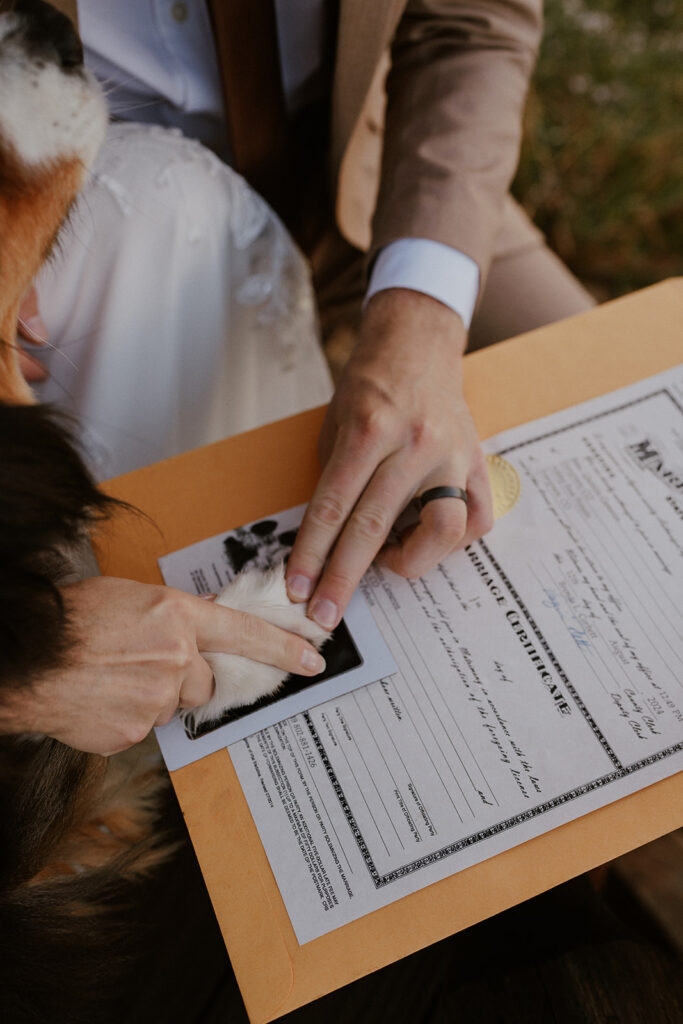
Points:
[[212, 489]]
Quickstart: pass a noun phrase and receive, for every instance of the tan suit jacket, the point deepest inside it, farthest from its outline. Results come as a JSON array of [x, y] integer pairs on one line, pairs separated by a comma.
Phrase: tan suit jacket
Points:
[[455, 91]]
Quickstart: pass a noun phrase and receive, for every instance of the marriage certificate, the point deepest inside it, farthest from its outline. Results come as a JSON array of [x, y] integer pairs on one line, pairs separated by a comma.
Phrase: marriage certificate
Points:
[[539, 675]]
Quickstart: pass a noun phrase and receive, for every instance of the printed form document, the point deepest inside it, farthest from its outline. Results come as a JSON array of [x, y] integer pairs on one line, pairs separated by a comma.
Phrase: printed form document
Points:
[[535, 677]]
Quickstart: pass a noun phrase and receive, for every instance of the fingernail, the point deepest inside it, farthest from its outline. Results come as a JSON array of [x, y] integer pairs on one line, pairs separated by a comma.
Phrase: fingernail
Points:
[[207, 597], [312, 661], [325, 613], [34, 329], [300, 587]]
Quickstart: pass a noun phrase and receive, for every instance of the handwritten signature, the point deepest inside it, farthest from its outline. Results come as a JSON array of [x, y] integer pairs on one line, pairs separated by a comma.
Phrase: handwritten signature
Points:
[[576, 632]]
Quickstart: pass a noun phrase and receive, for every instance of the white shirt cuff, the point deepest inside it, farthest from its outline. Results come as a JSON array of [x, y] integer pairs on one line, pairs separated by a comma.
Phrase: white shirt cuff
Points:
[[429, 267]]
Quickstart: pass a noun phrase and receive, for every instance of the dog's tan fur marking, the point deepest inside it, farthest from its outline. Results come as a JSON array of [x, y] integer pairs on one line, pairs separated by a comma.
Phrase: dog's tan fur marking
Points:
[[113, 815], [33, 205]]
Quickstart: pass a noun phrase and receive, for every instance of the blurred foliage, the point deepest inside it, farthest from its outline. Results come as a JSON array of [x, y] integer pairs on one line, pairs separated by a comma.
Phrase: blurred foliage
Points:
[[601, 170]]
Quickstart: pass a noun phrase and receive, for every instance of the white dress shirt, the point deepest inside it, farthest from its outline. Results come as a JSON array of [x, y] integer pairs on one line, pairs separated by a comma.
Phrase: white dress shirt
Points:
[[157, 61]]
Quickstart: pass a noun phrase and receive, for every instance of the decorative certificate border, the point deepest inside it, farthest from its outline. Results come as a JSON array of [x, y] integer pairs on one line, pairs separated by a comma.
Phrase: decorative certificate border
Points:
[[380, 880]]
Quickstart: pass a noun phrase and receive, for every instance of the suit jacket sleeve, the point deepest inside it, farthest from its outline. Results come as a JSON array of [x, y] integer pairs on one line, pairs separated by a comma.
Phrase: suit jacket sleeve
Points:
[[455, 97]]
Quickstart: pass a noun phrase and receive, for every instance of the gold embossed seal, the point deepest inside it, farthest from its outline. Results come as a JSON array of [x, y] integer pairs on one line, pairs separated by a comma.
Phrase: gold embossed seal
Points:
[[505, 484]]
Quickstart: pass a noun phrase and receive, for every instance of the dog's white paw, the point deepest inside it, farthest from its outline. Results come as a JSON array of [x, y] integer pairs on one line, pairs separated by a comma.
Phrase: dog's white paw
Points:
[[239, 680]]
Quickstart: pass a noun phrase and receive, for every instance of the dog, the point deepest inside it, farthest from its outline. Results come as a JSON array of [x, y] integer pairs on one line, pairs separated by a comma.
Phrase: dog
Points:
[[53, 123], [81, 833], [77, 832]]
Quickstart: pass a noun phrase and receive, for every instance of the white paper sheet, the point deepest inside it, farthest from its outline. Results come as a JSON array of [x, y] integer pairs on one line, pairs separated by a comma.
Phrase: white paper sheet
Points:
[[540, 676]]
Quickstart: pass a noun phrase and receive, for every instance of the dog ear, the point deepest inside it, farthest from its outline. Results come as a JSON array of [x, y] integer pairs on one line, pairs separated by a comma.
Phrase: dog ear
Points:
[[67, 7], [47, 500]]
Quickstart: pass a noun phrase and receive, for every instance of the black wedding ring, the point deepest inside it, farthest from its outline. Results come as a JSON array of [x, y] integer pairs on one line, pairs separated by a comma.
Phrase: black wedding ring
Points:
[[434, 493]]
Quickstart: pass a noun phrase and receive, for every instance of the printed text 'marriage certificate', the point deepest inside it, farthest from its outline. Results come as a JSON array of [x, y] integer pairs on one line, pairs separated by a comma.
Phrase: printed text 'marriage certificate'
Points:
[[540, 676]]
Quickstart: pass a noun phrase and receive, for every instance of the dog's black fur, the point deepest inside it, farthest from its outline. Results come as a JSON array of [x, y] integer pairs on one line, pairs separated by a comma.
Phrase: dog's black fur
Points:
[[86, 876], [47, 501], [66, 945]]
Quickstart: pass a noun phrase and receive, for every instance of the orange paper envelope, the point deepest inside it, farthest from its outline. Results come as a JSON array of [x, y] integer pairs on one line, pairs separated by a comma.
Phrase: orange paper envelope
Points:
[[213, 489]]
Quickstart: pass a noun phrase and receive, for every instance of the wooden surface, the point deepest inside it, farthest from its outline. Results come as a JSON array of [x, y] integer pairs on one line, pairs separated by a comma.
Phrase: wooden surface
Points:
[[235, 481]]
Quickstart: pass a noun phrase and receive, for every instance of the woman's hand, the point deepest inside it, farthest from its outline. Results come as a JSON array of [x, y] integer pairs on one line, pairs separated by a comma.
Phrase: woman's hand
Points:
[[397, 426], [31, 328], [136, 659]]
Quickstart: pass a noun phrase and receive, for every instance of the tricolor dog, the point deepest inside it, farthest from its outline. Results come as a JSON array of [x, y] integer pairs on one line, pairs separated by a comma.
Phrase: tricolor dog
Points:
[[78, 830]]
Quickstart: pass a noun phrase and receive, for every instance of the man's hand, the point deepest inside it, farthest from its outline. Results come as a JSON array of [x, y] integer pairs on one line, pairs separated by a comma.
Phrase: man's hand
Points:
[[137, 659], [397, 426]]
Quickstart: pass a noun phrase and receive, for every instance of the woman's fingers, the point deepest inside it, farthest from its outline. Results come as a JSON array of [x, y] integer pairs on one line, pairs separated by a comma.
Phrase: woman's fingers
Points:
[[198, 685], [166, 715], [30, 324], [196, 689], [226, 631], [137, 659], [31, 368], [30, 327]]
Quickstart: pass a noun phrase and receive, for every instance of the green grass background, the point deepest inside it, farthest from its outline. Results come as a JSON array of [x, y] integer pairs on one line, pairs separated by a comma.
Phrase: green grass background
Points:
[[601, 170]]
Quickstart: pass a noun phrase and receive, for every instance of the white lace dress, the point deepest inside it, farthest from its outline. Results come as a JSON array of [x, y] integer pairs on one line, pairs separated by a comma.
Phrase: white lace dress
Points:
[[179, 309]]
